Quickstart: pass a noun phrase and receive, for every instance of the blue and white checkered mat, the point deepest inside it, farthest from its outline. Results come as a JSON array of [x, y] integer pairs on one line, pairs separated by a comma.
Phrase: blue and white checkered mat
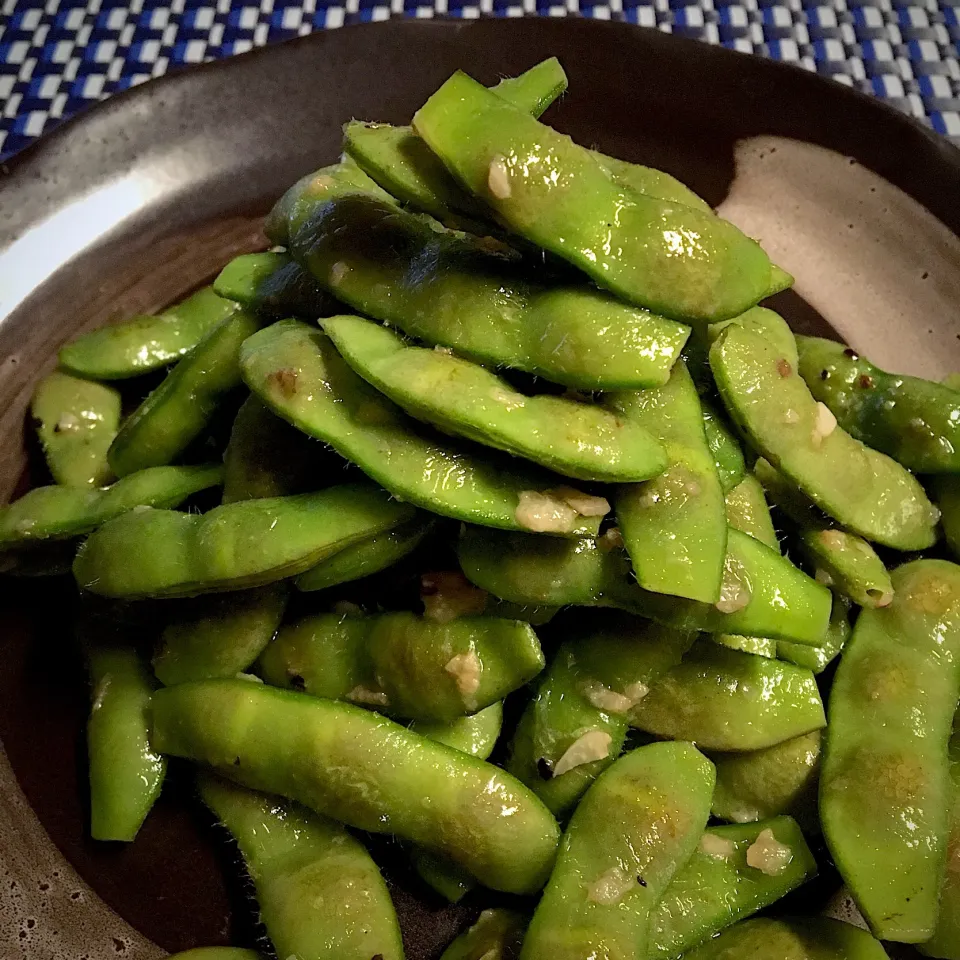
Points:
[[58, 56]]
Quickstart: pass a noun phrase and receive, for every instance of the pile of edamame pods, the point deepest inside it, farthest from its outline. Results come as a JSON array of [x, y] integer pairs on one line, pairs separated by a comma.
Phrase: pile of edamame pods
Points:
[[534, 381]]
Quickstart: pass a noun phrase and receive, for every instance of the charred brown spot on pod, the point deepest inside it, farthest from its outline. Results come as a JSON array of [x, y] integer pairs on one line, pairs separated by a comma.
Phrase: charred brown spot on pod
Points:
[[866, 381], [284, 381], [784, 368], [297, 682]]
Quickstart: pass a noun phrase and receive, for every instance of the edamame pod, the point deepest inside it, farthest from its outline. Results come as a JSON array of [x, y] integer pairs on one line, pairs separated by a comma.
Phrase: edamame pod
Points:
[[233, 547], [219, 636], [575, 726], [817, 658], [366, 771], [734, 872], [729, 701], [319, 893], [809, 938], [884, 788], [368, 556], [62, 513], [145, 343], [763, 594], [126, 773], [635, 828], [766, 783], [758, 646], [405, 166], [275, 285], [865, 491], [266, 457], [747, 511], [724, 447], [664, 256], [475, 735], [497, 935], [297, 373], [76, 422], [674, 526], [446, 289], [842, 560], [915, 421], [405, 665], [946, 492], [175, 414], [765, 323], [581, 440], [649, 182]]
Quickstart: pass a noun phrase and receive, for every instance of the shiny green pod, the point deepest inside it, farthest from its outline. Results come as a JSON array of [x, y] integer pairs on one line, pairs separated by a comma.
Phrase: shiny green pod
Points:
[[576, 723], [765, 323], [818, 658], [62, 513], [266, 457], [126, 772], [862, 489], [807, 938], [576, 439], [649, 182], [476, 734], [405, 665], [885, 783], [946, 493], [177, 412], [763, 594], [842, 560], [781, 779], [915, 421], [76, 422], [674, 526], [319, 894], [497, 935], [368, 556], [275, 285], [724, 447], [146, 343], [661, 255], [363, 769], [405, 166], [233, 547], [747, 511], [734, 872], [725, 700], [450, 290], [298, 374], [635, 828], [219, 636]]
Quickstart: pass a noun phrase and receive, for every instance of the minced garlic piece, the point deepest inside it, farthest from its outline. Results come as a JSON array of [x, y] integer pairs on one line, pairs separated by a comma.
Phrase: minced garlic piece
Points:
[[498, 179], [791, 416], [825, 424], [611, 540], [603, 698], [720, 848], [466, 668], [373, 698], [609, 888], [734, 593], [543, 513], [768, 855], [593, 745], [585, 504], [448, 594]]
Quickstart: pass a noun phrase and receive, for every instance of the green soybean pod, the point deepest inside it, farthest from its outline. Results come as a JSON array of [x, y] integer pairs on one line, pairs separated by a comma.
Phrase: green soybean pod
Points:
[[298, 374], [233, 547], [406, 665], [650, 182], [146, 343], [465, 399], [319, 893], [734, 872], [664, 256], [807, 938], [818, 658], [275, 285], [635, 828], [497, 935], [126, 772], [576, 724], [863, 490], [946, 492], [747, 511], [724, 447], [63, 513], [219, 636], [765, 323], [76, 422], [674, 526], [730, 701], [368, 556], [366, 771], [915, 421], [945, 942], [781, 779], [175, 414], [884, 787]]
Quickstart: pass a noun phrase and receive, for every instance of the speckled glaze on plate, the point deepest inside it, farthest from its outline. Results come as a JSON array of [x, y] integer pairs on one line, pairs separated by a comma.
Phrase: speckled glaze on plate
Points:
[[141, 199]]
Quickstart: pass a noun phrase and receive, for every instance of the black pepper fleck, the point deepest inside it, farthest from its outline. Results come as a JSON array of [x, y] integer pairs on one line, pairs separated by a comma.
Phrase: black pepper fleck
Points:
[[641, 881], [544, 769]]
